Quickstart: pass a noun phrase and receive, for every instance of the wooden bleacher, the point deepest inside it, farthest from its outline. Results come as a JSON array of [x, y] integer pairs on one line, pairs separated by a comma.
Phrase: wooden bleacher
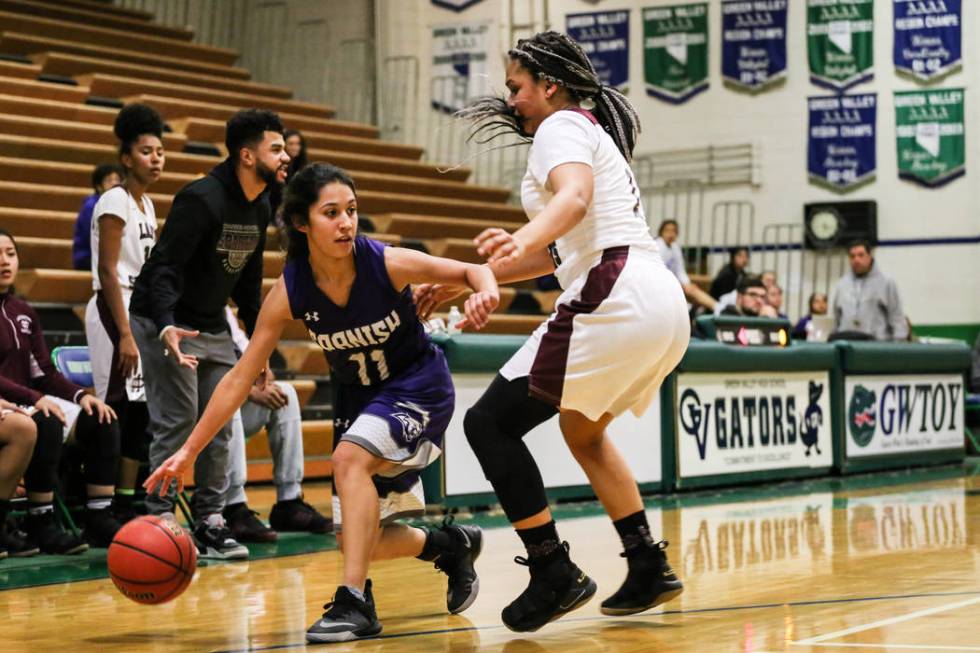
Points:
[[63, 63]]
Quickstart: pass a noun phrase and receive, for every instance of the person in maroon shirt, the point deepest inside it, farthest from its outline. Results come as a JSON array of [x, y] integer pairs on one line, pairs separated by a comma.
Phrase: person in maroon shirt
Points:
[[29, 378]]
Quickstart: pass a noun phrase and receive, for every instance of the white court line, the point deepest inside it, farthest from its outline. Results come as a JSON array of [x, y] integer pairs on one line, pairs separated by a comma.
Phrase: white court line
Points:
[[888, 622], [917, 647]]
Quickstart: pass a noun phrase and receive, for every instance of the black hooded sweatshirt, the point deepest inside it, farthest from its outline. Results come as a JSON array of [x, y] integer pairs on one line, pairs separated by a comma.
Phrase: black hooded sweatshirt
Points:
[[210, 249]]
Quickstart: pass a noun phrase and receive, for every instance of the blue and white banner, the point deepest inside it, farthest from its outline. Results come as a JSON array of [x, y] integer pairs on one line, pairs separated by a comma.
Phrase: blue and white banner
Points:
[[928, 37], [841, 140], [459, 64], [753, 43], [605, 37]]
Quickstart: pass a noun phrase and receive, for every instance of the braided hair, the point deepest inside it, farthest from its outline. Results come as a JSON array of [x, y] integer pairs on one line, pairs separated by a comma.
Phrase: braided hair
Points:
[[558, 59]]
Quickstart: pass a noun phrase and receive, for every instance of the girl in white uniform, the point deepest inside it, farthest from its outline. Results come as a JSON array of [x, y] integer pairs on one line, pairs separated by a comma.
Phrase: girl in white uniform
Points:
[[123, 233], [619, 328]]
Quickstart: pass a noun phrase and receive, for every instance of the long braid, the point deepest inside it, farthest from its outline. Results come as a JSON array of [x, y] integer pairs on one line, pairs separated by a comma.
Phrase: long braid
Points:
[[558, 59]]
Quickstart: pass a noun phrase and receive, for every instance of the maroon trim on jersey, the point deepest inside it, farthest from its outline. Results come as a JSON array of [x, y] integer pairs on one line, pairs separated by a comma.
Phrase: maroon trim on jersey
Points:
[[547, 378], [116, 389], [584, 112]]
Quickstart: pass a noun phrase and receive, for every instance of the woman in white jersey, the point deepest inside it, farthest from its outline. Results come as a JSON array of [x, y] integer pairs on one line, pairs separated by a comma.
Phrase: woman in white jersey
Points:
[[619, 328], [123, 232]]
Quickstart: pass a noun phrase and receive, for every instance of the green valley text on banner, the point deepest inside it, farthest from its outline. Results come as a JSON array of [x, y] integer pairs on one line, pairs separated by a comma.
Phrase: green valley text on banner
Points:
[[912, 413], [930, 136], [753, 43], [459, 64], [928, 37], [675, 51], [840, 42], [841, 140], [752, 422], [605, 37]]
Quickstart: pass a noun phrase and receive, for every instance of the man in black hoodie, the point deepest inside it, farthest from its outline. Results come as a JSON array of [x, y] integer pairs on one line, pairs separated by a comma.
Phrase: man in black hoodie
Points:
[[210, 249]]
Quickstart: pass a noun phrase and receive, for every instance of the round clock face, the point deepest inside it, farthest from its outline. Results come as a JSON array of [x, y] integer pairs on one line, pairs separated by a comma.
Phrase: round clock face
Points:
[[824, 225]]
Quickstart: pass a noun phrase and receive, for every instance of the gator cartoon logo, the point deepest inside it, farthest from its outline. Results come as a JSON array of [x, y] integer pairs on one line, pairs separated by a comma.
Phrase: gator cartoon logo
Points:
[[812, 420], [861, 415]]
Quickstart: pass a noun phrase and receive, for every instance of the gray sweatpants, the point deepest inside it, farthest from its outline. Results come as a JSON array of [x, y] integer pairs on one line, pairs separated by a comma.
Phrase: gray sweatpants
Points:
[[285, 430], [175, 397]]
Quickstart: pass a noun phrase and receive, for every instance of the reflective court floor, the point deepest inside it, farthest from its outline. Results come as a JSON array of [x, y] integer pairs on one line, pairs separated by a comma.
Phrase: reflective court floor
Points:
[[878, 563]]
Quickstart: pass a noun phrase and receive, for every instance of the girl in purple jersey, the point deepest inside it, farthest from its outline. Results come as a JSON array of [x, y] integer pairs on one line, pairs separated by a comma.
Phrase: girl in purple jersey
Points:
[[395, 394]]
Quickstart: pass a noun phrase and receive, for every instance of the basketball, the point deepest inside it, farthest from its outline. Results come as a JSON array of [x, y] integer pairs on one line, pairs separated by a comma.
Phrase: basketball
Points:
[[152, 560]]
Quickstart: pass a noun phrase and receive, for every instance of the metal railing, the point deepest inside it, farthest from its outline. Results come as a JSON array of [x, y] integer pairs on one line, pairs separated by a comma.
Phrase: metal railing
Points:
[[800, 271]]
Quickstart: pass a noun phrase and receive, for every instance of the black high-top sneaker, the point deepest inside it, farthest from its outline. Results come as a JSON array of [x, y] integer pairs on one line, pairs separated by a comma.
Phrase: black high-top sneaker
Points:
[[100, 527], [44, 531], [297, 515], [347, 617], [650, 581], [457, 563], [557, 587]]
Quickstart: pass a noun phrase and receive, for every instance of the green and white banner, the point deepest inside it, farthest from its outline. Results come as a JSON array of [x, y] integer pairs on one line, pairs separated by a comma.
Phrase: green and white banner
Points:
[[675, 51], [840, 42], [930, 135]]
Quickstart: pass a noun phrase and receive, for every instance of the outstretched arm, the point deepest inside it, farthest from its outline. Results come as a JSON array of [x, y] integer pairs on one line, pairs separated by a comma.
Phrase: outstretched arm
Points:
[[406, 266], [231, 392]]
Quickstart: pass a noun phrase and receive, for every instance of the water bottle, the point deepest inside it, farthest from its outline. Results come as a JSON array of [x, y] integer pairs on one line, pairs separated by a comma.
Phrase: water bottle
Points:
[[454, 317]]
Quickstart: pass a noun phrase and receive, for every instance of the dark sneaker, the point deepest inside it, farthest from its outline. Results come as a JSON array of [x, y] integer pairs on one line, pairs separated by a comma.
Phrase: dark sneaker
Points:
[[346, 618], [649, 582], [124, 513], [16, 544], [245, 525], [217, 543], [556, 588], [100, 527], [297, 515], [457, 564], [43, 531]]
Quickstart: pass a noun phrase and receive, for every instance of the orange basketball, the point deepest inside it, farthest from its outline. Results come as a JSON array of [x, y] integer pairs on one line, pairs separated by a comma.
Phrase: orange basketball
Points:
[[152, 560]]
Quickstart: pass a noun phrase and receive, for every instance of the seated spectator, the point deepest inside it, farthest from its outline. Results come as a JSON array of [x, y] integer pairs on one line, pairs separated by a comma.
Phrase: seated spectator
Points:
[[673, 258], [17, 435], [774, 297], [295, 146], [728, 276], [750, 300], [29, 378], [104, 177], [817, 306], [866, 301], [768, 279], [275, 407]]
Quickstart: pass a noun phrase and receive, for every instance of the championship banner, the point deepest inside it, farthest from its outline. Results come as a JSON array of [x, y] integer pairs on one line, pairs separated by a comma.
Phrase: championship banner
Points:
[[841, 140], [930, 135], [910, 414], [753, 44], [675, 51], [928, 37], [751, 422], [605, 37], [459, 64], [840, 44]]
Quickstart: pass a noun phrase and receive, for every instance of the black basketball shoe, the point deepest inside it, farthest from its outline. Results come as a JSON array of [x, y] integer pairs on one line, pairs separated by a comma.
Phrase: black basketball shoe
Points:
[[650, 581], [347, 617], [457, 563], [557, 587]]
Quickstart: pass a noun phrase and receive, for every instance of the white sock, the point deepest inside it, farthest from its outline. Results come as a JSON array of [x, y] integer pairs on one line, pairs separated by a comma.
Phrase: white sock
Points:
[[215, 520], [40, 508], [356, 592], [98, 503]]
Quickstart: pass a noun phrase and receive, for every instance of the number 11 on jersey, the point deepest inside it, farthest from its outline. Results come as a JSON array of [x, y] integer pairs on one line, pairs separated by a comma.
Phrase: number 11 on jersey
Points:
[[378, 357]]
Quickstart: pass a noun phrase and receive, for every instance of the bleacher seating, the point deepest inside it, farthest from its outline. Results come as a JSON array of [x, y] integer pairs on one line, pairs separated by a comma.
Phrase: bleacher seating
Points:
[[64, 64]]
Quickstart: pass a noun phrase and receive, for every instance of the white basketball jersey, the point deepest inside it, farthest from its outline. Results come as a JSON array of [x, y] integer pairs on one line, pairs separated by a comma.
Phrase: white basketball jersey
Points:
[[614, 218], [139, 234]]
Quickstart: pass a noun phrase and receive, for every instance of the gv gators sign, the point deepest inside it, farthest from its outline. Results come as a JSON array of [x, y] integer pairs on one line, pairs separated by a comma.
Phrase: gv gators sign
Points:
[[892, 414], [750, 422]]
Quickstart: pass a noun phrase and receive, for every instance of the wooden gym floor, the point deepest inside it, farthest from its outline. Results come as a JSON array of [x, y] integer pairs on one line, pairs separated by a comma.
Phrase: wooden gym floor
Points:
[[878, 563]]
